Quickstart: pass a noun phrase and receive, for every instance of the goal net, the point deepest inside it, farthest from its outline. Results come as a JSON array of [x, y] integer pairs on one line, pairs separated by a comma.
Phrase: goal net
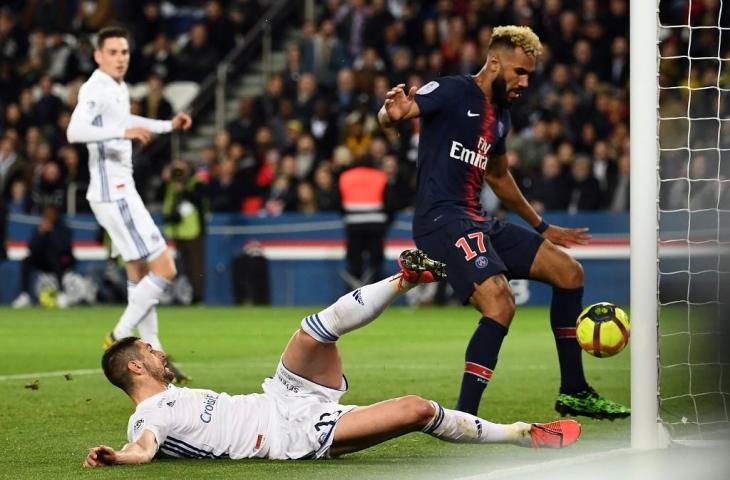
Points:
[[693, 280]]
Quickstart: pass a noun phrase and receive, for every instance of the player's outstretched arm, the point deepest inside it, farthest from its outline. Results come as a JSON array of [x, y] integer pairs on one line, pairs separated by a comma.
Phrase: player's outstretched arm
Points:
[[141, 451], [181, 121], [500, 180], [398, 106]]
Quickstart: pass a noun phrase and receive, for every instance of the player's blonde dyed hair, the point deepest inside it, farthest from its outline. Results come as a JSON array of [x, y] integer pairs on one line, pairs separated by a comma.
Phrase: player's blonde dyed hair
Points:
[[513, 36]]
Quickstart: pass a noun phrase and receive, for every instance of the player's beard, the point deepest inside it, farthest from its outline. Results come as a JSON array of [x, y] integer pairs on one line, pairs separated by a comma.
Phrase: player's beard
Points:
[[499, 92], [169, 376], [161, 373]]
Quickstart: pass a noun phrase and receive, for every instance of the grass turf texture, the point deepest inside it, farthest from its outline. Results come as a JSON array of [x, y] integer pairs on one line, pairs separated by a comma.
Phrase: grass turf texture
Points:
[[45, 433]]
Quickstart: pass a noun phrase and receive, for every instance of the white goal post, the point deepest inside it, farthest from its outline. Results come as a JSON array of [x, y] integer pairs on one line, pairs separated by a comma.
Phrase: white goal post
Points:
[[644, 224]]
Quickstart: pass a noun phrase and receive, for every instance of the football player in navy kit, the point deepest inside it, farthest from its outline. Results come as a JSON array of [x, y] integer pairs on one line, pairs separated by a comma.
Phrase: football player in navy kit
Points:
[[465, 120]]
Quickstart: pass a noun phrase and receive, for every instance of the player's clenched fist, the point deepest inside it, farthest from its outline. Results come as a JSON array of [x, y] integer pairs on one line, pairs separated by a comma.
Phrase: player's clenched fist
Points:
[[182, 121], [100, 456]]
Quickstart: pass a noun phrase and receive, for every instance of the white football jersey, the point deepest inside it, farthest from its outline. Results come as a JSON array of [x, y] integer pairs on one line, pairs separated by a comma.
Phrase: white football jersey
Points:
[[198, 423], [100, 120]]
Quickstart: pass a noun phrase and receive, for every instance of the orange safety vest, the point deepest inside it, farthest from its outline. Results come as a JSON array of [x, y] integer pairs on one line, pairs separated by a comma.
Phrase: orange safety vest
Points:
[[363, 195]]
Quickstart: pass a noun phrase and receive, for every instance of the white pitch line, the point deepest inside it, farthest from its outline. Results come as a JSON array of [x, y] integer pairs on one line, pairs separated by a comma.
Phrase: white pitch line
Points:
[[60, 373], [539, 467]]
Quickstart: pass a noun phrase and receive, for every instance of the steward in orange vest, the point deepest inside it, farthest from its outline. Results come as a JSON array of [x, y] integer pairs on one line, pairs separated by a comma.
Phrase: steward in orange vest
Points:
[[362, 190]]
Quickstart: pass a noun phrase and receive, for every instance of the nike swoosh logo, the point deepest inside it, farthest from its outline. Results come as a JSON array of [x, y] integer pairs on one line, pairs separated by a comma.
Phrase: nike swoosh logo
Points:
[[469, 114], [437, 218]]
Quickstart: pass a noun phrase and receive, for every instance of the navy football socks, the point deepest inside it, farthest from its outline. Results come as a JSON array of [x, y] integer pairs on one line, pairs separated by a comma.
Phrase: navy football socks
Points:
[[481, 358], [564, 311]]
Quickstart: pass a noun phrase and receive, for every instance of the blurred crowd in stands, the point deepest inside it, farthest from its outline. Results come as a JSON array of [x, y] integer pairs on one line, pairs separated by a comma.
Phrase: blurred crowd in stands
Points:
[[569, 148], [46, 53]]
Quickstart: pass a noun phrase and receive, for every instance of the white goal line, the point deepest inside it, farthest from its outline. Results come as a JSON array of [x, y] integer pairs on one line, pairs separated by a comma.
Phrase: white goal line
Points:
[[60, 373]]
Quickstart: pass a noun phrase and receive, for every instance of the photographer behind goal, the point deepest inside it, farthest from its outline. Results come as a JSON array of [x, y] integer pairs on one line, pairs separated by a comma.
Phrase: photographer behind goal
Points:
[[184, 209]]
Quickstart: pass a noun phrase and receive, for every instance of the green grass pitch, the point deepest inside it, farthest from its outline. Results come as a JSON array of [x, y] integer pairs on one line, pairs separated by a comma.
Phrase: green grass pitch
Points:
[[45, 432]]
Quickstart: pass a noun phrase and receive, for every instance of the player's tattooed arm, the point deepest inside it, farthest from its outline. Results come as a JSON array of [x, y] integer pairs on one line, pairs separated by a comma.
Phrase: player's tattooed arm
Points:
[[398, 106], [500, 180], [141, 451]]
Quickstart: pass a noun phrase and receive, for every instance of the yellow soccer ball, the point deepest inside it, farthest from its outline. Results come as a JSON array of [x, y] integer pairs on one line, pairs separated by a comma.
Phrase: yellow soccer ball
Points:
[[48, 298], [603, 329]]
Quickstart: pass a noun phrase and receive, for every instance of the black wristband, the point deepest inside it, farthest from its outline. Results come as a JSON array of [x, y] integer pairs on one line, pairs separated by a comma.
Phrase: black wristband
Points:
[[542, 226]]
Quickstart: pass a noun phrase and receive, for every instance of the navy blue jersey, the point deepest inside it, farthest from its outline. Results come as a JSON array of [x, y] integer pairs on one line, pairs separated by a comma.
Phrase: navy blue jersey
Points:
[[460, 129]]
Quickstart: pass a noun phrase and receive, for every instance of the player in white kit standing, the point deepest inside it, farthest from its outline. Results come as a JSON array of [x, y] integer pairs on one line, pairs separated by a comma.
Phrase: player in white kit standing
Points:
[[102, 120], [299, 415]]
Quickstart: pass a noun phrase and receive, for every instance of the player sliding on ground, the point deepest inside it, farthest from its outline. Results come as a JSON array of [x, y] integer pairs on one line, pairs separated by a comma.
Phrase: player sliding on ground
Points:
[[299, 415]]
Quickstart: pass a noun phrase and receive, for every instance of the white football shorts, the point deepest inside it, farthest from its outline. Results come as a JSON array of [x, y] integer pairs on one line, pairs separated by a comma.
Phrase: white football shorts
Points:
[[130, 226], [306, 415]]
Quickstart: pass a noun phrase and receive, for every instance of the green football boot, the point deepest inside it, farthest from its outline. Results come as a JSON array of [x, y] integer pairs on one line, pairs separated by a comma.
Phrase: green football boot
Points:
[[415, 267], [589, 403]]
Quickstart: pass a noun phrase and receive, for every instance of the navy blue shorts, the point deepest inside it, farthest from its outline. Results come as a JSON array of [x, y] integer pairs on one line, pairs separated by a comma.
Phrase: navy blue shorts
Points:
[[474, 251]]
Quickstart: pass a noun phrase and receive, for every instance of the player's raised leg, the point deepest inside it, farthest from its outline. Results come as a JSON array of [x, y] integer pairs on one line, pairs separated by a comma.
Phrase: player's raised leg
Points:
[[377, 423], [557, 268], [312, 353]]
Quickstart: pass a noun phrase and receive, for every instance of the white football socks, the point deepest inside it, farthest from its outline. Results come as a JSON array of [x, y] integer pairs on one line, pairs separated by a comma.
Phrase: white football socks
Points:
[[148, 325], [354, 310], [148, 329], [460, 427], [142, 300]]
